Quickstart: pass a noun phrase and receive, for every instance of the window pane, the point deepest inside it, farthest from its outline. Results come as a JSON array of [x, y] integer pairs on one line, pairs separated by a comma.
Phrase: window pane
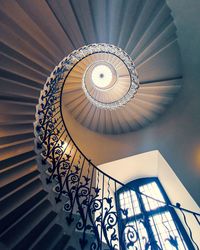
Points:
[[138, 239], [128, 200], [153, 224], [152, 190], [165, 231]]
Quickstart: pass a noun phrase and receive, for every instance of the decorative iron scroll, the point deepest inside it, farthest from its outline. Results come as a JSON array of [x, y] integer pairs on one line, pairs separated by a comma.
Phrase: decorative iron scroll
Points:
[[85, 191]]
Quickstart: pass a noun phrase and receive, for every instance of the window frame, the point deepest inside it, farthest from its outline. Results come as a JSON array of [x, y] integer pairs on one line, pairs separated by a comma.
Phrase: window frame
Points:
[[135, 184]]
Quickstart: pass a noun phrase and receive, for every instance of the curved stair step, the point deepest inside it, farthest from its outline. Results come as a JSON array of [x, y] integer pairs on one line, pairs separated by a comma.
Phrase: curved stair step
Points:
[[24, 59], [18, 88], [15, 139], [19, 196], [18, 68], [50, 238], [10, 187], [158, 23], [12, 174], [20, 211], [29, 239], [26, 231], [18, 159], [62, 242], [8, 119], [18, 148], [71, 248]]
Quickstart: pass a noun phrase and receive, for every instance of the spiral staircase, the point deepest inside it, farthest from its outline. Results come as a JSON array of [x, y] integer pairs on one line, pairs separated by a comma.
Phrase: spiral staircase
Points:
[[34, 38]]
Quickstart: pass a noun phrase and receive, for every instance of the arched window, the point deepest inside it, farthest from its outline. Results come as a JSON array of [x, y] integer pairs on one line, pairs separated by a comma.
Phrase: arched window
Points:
[[146, 223]]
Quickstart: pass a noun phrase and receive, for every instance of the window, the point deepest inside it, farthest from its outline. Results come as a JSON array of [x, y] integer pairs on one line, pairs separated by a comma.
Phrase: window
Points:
[[146, 223]]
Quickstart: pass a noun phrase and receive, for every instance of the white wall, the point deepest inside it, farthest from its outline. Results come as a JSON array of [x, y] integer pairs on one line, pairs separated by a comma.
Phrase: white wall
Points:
[[152, 164], [178, 193], [133, 167]]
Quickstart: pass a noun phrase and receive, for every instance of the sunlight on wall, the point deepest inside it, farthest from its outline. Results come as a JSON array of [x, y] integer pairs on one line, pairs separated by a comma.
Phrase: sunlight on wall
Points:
[[152, 164], [197, 158]]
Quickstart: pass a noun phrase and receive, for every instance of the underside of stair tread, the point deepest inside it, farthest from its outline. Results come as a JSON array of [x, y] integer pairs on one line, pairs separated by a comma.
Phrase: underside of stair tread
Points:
[[32, 224], [50, 239], [18, 197], [62, 242], [10, 187], [20, 211], [33, 235], [15, 139], [20, 168], [71, 248], [13, 161]]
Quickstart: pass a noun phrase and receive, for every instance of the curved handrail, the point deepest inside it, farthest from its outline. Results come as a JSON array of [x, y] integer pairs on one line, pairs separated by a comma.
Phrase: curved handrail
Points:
[[177, 206], [49, 128]]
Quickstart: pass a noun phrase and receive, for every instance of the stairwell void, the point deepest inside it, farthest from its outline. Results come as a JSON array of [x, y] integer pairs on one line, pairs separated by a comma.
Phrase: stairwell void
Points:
[[34, 37]]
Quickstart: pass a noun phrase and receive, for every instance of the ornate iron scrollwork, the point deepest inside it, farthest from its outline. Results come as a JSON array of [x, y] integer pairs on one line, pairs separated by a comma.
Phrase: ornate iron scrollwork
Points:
[[74, 176]]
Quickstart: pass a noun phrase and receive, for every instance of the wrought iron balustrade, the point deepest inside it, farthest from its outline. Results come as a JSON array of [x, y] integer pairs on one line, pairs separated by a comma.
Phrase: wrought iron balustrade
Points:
[[82, 187]]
